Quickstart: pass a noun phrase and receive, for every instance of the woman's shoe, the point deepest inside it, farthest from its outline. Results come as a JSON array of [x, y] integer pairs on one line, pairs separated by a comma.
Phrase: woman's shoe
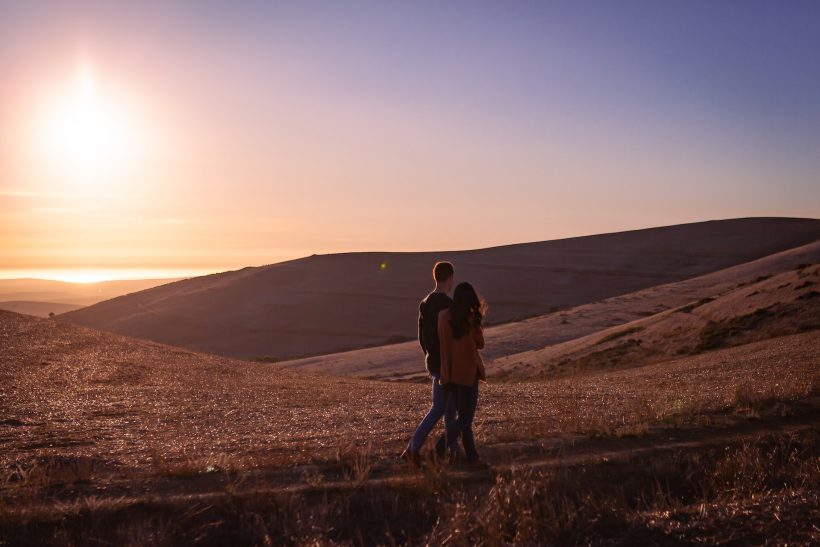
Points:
[[441, 448]]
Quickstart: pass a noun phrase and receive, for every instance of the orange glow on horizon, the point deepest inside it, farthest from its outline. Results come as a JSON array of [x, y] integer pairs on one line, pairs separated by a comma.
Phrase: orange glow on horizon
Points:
[[97, 276]]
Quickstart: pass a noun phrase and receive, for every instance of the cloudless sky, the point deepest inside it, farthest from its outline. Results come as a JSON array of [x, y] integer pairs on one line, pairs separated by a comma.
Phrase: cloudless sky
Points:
[[248, 133]]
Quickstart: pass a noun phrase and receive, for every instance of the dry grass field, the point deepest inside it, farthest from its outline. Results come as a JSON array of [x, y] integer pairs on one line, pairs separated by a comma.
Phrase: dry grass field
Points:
[[107, 439]]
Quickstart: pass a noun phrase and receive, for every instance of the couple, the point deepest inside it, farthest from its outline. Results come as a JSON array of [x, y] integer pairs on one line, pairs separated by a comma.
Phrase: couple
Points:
[[450, 334]]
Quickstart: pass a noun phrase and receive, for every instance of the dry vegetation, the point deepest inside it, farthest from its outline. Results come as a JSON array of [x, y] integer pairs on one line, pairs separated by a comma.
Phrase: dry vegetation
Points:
[[749, 492], [70, 391], [111, 440], [762, 308]]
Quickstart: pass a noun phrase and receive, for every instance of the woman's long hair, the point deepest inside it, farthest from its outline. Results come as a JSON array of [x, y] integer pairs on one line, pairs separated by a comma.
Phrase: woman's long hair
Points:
[[467, 310]]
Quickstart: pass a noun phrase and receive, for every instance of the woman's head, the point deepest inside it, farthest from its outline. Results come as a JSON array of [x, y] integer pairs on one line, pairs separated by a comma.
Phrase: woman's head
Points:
[[467, 310]]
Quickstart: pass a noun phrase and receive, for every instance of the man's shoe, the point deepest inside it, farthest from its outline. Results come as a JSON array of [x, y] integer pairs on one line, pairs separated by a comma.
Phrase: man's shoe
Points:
[[412, 457]]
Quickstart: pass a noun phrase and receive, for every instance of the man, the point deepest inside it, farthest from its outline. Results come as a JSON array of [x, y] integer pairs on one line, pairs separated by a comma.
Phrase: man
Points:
[[429, 309]]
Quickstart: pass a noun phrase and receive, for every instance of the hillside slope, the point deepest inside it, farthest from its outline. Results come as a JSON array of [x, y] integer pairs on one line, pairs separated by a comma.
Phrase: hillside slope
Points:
[[401, 361], [124, 405], [107, 439], [328, 303], [764, 308]]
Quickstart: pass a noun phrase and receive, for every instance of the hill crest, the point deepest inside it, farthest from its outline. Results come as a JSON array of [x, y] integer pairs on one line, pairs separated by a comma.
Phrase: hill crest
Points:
[[329, 303]]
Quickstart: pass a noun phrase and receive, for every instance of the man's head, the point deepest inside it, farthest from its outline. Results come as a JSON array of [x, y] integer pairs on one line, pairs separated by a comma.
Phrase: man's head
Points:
[[443, 275]]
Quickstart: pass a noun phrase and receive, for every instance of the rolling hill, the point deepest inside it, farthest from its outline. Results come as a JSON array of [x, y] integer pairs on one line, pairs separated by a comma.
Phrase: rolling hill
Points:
[[767, 307], [40, 309], [403, 361], [329, 303], [78, 294]]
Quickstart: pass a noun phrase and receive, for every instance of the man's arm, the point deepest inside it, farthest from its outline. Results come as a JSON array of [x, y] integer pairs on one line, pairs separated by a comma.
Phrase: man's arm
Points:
[[421, 327], [444, 347]]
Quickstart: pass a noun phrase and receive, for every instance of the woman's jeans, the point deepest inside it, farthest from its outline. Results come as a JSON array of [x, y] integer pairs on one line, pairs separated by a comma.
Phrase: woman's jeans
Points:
[[465, 400], [441, 406]]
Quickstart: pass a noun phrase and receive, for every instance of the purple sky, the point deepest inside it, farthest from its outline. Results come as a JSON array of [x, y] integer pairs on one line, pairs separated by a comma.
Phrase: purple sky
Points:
[[247, 134]]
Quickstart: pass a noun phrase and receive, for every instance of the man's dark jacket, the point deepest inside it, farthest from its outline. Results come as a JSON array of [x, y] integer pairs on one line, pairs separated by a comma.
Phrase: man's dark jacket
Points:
[[429, 309]]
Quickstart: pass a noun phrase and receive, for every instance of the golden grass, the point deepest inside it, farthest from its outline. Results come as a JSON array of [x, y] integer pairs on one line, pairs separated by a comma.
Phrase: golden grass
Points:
[[99, 409]]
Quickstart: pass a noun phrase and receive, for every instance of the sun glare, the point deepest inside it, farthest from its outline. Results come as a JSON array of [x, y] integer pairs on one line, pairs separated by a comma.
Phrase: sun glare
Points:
[[87, 137], [83, 278]]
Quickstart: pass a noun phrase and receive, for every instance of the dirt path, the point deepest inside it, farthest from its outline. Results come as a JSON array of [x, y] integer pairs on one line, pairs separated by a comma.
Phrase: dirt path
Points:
[[500, 458]]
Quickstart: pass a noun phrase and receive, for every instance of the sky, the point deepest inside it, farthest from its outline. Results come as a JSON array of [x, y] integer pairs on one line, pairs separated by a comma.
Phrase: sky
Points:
[[154, 139]]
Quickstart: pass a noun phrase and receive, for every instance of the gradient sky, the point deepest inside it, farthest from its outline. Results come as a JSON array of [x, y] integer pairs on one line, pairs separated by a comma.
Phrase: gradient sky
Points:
[[247, 133]]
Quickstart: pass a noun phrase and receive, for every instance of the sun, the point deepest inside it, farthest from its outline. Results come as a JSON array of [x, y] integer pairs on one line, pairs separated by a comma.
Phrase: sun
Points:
[[86, 136]]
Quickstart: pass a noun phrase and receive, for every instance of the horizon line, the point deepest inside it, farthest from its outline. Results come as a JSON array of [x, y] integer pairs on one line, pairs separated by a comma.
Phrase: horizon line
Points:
[[90, 276]]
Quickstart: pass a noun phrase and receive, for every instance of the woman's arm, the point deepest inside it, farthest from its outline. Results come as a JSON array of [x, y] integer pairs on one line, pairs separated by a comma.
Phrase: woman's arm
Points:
[[478, 336]]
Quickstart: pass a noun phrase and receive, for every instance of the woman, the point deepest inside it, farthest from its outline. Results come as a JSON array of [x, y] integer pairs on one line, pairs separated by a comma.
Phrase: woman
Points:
[[460, 337]]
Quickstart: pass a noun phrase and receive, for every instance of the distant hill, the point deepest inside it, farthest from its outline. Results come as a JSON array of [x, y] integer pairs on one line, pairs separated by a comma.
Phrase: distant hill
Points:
[[80, 294], [40, 309], [328, 303], [403, 361]]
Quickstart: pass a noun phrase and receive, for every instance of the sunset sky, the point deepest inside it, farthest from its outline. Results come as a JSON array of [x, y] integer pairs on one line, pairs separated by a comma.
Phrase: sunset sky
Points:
[[146, 139]]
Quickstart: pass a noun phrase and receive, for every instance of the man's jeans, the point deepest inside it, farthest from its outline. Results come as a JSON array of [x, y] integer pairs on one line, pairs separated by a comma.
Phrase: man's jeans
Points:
[[442, 406]]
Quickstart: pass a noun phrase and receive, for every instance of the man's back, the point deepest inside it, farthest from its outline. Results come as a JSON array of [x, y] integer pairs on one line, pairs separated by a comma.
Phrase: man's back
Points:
[[429, 309]]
